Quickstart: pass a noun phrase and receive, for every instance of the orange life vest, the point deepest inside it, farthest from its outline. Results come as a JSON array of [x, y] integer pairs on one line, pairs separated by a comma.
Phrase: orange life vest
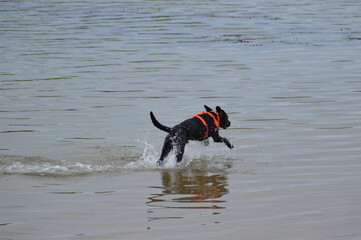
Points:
[[215, 117]]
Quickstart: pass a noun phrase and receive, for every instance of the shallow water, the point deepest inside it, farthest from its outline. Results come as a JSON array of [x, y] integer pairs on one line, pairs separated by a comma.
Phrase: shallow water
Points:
[[78, 150]]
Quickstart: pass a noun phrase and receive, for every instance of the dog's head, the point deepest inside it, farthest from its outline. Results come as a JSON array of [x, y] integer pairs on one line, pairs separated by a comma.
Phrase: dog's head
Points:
[[223, 117]]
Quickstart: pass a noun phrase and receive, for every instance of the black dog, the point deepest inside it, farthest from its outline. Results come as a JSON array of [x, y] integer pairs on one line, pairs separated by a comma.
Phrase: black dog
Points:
[[202, 126]]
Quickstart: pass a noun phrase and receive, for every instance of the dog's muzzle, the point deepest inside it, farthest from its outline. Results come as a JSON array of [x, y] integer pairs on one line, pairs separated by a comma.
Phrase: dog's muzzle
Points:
[[226, 125]]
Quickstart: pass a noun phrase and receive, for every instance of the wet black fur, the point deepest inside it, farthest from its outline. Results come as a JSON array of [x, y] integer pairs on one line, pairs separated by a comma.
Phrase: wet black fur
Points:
[[191, 129]]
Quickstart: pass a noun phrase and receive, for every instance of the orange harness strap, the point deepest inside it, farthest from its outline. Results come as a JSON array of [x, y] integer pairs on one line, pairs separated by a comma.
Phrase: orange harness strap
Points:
[[216, 120]]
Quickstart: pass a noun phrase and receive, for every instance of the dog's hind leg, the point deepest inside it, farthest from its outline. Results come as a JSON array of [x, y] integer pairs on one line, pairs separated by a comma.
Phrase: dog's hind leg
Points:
[[167, 147], [179, 152], [180, 142]]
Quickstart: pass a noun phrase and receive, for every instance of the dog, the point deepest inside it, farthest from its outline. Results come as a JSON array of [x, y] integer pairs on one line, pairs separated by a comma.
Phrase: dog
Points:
[[199, 128]]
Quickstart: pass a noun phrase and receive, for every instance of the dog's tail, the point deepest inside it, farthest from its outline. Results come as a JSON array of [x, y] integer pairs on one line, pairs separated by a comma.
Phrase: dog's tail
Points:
[[158, 124]]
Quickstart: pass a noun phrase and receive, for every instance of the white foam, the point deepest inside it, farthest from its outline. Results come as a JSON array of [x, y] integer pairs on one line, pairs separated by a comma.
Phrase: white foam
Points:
[[44, 166], [40, 169]]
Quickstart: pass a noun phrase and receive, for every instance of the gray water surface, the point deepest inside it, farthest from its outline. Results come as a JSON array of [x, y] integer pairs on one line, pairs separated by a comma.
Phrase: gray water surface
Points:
[[78, 149]]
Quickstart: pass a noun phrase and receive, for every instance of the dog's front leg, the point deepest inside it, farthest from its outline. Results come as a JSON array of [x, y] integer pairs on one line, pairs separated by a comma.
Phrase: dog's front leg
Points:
[[225, 140], [217, 138]]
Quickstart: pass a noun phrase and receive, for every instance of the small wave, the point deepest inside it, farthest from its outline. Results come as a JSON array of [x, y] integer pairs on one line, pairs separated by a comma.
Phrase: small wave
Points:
[[123, 160], [39, 166]]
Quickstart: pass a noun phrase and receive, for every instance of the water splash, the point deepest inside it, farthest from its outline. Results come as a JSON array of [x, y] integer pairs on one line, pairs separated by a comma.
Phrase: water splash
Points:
[[193, 151], [150, 157], [147, 160]]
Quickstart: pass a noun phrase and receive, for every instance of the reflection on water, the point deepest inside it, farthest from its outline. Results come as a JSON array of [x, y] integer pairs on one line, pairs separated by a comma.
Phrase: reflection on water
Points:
[[188, 188]]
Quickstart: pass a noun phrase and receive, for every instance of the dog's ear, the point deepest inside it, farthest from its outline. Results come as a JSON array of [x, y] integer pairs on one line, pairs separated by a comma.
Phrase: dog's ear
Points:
[[207, 108], [218, 108]]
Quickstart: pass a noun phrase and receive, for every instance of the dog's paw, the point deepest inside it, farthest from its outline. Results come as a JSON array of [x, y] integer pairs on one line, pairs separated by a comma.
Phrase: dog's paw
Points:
[[229, 145]]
